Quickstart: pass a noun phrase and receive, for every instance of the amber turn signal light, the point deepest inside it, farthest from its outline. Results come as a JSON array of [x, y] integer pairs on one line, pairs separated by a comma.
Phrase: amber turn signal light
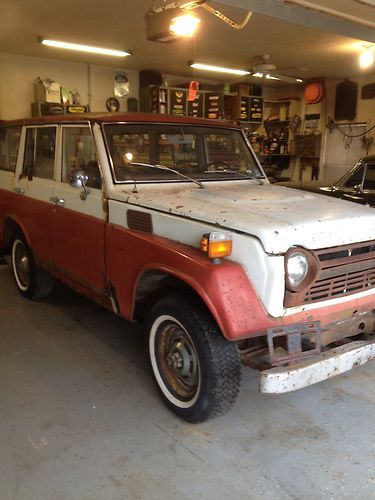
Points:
[[216, 245]]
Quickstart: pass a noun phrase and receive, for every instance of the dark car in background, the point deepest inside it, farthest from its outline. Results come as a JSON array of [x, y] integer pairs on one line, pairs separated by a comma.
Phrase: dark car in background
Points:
[[357, 185]]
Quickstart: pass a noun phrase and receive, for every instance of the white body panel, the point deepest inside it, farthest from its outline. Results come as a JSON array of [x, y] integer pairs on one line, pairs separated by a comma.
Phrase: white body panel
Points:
[[277, 216]]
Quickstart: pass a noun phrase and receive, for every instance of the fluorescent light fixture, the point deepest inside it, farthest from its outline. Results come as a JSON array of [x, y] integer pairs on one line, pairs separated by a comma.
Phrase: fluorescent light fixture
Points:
[[258, 75], [367, 58], [299, 80], [84, 48], [219, 69], [270, 77], [184, 25]]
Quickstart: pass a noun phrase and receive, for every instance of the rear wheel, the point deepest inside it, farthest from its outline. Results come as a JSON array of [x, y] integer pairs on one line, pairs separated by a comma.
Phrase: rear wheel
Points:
[[31, 280], [196, 369]]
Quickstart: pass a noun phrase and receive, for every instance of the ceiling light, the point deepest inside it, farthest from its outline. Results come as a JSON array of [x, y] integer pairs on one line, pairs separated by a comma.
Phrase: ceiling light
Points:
[[299, 80], [172, 21], [169, 25], [258, 75], [367, 58], [270, 77], [185, 25], [219, 69], [84, 48]]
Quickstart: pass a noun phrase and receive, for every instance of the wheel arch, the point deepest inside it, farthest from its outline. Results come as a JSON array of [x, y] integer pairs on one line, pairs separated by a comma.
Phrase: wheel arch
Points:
[[153, 283], [11, 226]]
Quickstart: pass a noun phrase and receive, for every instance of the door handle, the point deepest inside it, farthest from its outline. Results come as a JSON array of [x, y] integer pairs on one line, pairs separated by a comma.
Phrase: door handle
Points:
[[19, 190], [57, 201]]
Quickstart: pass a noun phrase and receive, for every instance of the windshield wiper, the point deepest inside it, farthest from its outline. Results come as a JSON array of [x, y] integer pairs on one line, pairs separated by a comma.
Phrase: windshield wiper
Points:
[[241, 174], [169, 169]]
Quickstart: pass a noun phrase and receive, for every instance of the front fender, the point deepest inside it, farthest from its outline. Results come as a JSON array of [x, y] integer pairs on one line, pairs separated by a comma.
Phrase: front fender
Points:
[[224, 288]]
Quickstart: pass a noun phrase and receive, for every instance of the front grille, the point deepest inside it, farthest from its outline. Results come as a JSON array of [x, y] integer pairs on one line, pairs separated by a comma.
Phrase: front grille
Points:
[[343, 271]]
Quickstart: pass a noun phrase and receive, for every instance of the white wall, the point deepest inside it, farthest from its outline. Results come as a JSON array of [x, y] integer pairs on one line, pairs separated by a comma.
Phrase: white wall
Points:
[[365, 114], [18, 74]]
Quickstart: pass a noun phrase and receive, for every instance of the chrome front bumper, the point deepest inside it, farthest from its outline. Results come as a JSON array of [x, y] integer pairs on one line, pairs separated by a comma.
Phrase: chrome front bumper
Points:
[[316, 369]]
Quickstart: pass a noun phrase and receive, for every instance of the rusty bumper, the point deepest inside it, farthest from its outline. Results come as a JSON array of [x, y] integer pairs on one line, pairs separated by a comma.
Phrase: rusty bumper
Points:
[[318, 368]]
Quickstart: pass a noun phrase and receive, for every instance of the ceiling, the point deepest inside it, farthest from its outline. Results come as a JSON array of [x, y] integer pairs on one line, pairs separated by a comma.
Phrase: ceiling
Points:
[[295, 49]]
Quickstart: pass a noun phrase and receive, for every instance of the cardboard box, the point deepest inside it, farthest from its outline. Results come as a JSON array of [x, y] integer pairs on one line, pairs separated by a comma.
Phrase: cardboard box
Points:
[[46, 108], [47, 91]]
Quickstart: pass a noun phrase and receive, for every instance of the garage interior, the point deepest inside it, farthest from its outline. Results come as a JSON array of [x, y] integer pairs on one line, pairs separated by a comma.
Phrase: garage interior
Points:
[[79, 410]]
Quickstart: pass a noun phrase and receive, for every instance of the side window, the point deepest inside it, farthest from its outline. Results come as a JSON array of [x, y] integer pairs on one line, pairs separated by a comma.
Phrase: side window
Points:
[[355, 178], [369, 182], [9, 142], [39, 160], [79, 154]]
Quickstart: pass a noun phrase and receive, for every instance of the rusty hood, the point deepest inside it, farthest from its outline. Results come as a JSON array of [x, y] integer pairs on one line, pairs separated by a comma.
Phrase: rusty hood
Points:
[[278, 216]]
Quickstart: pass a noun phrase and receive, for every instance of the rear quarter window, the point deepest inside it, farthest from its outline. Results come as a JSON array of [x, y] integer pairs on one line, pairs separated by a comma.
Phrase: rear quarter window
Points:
[[9, 143]]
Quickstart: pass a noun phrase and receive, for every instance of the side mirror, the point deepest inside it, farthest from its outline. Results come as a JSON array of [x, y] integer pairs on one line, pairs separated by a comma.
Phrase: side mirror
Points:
[[78, 179]]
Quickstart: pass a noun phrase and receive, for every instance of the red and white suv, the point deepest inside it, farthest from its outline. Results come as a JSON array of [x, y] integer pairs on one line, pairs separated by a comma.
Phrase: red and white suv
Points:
[[172, 221]]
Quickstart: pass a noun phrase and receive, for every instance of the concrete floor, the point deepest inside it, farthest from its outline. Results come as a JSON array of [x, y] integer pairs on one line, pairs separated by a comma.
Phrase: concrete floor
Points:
[[81, 419]]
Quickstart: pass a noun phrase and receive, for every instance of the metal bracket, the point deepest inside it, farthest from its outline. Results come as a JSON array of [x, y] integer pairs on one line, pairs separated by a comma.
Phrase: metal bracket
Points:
[[194, 4], [293, 342]]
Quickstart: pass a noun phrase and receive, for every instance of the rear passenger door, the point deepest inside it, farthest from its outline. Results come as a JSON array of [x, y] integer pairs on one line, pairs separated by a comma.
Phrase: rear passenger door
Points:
[[80, 222], [35, 188], [9, 142]]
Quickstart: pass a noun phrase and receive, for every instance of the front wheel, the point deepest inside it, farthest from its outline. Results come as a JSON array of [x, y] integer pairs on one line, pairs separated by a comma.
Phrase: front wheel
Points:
[[31, 280], [197, 371]]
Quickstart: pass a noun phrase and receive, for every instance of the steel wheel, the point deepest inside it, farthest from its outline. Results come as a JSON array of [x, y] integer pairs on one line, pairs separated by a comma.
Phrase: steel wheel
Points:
[[31, 280], [21, 265], [175, 362], [197, 370]]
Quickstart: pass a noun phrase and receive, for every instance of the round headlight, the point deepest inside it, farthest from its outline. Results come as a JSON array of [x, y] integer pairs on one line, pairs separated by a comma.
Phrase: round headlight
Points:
[[297, 266]]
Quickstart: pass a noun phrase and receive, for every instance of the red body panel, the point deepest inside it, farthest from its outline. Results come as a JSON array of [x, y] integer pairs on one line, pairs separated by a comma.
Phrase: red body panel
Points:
[[79, 248], [63, 240], [6, 204], [225, 288], [35, 220]]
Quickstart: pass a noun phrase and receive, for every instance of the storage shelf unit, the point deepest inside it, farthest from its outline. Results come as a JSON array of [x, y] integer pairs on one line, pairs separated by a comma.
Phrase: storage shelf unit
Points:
[[173, 100], [307, 146]]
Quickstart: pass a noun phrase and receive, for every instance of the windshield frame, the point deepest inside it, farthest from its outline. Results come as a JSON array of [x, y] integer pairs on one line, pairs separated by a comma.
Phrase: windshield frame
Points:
[[147, 127]]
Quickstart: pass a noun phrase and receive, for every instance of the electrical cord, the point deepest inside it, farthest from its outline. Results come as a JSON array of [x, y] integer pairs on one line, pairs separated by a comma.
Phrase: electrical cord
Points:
[[351, 136]]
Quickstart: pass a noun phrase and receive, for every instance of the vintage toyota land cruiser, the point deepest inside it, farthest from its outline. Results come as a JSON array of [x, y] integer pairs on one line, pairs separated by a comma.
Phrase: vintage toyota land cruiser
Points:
[[171, 221]]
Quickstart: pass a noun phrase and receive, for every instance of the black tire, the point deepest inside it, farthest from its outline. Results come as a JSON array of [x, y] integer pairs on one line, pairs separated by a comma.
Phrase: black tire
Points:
[[31, 280], [197, 371]]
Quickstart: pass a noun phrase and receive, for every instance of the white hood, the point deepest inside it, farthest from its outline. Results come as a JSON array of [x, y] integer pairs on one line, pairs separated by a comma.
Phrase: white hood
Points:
[[278, 216]]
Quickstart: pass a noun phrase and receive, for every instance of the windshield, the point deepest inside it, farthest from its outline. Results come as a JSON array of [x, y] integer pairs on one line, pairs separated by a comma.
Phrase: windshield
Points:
[[202, 153]]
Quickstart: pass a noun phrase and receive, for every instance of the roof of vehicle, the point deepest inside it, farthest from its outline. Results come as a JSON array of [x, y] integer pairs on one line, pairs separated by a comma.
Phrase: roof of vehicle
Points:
[[117, 117]]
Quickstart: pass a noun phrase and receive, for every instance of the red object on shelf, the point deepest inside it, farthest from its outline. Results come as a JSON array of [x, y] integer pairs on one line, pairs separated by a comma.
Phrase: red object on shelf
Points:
[[193, 89], [314, 92]]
